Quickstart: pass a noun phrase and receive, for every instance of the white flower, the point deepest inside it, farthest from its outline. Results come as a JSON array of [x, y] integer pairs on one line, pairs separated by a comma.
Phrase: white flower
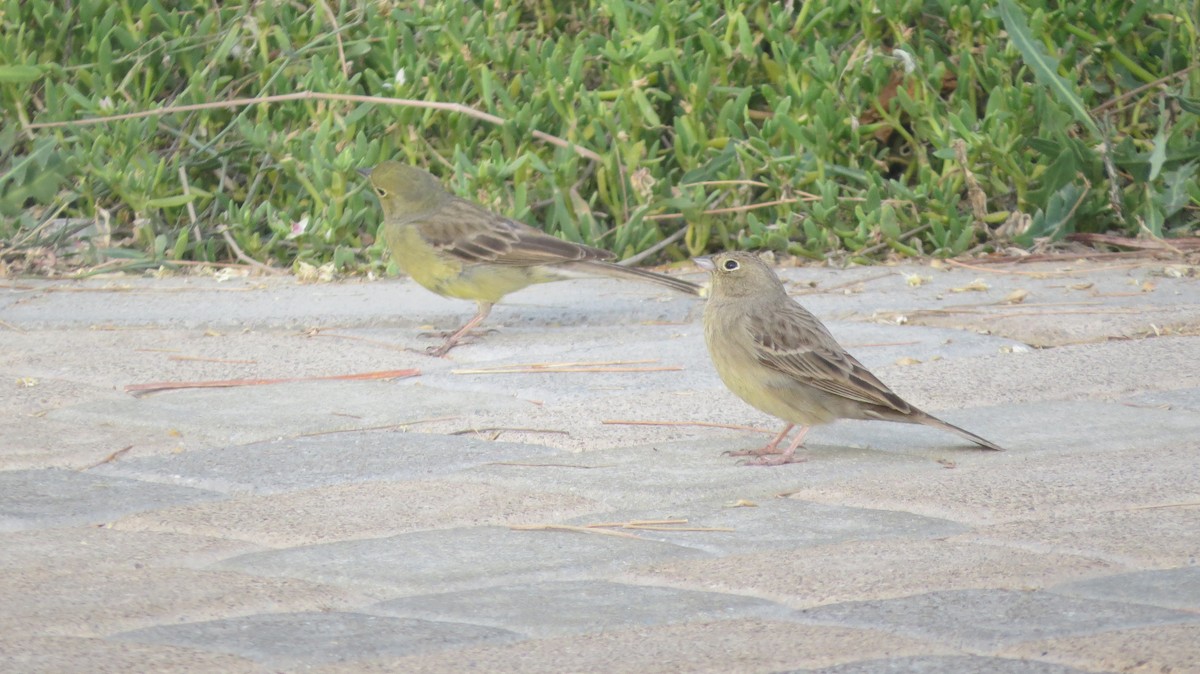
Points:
[[298, 228]]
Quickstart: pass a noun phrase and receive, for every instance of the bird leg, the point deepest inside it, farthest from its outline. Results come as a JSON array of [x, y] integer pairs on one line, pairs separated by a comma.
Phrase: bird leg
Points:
[[485, 308], [788, 455], [770, 448]]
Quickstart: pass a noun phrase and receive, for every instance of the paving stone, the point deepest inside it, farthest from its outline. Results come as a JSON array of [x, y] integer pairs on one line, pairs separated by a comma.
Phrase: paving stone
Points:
[[748, 645], [1018, 486], [571, 607], [991, 619], [1157, 537], [75, 655], [1170, 588], [667, 474], [362, 510], [454, 559], [93, 549], [874, 569], [949, 664], [284, 303], [54, 497], [308, 639], [303, 463], [89, 603], [1162, 649], [1181, 399], [779, 523]]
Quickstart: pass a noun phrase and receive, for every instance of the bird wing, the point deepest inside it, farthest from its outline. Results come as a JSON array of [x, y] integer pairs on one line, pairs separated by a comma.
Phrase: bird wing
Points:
[[793, 342], [474, 235]]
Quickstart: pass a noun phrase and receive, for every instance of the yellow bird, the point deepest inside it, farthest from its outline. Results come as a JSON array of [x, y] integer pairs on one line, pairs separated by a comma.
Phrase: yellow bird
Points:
[[781, 359], [459, 249]]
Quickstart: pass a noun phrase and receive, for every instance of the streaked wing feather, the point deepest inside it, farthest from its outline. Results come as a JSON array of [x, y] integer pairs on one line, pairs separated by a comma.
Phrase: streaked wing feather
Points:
[[474, 234], [795, 343]]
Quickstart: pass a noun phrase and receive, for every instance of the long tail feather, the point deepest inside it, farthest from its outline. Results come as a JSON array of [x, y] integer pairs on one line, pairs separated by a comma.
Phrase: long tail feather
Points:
[[617, 271]]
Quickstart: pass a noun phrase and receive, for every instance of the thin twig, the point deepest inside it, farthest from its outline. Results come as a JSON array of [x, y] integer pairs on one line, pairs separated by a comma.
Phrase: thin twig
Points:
[[735, 209], [511, 429], [108, 459], [241, 255], [581, 366], [569, 527], [1036, 274], [337, 35], [1150, 85], [203, 359], [848, 284], [703, 424], [534, 370], [145, 389], [315, 96], [385, 427], [632, 260]]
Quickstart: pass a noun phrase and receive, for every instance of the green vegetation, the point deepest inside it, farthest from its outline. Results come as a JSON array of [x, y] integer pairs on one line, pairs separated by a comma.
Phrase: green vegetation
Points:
[[848, 128]]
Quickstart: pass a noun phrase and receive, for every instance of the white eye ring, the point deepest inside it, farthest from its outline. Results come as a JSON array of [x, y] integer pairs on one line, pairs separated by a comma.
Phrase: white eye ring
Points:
[[730, 265]]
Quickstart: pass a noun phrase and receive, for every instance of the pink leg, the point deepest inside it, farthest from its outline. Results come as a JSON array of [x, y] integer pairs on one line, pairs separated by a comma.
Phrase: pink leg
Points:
[[789, 455], [485, 308], [770, 448]]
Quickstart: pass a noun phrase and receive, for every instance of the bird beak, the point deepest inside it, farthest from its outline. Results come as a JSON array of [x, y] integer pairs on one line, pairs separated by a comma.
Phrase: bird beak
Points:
[[704, 263], [364, 172]]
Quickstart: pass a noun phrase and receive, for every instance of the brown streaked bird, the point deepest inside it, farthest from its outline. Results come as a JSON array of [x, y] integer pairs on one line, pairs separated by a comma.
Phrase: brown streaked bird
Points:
[[781, 359], [459, 249]]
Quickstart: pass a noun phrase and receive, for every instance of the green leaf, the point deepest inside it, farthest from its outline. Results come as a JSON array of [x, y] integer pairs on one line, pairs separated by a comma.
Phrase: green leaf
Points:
[[1191, 105], [169, 202], [1058, 219], [19, 74], [1043, 65], [1175, 196], [1158, 156]]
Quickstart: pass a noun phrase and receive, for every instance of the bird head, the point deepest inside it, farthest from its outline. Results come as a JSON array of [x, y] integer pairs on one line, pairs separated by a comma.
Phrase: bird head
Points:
[[739, 274], [404, 189]]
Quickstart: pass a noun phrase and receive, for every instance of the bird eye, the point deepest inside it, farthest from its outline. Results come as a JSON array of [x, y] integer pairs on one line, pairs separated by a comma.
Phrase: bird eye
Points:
[[381, 192], [730, 265]]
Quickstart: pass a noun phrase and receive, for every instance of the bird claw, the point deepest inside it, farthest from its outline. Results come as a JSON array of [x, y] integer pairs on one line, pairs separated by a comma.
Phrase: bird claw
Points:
[[762, 451], [780, 460]]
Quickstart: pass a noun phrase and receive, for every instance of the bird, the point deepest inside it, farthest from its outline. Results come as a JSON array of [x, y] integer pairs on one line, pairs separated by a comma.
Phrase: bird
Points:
[[778, 357], [459, 249]]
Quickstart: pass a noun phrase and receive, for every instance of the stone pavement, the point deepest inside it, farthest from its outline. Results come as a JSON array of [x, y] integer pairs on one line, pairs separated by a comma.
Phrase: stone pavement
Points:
[[423, 524]]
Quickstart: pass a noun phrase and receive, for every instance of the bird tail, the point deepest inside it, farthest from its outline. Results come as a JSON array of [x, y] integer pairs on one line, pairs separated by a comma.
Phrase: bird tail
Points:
[[617, 271], [929, 420]]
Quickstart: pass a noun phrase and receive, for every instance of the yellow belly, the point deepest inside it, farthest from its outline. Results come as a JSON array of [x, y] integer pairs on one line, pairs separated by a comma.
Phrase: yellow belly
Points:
[[450, 277], [766, 389]]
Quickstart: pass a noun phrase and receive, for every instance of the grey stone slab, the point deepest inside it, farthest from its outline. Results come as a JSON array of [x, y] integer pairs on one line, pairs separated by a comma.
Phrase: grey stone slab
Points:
[[1184, 399], [76, 655], [779, 523], [53, 497], [948, 664], [302, 463], [571, 607], [1171, 588], [990, 619], [283, 302], [453, 559], [297, 639], [94, 548]]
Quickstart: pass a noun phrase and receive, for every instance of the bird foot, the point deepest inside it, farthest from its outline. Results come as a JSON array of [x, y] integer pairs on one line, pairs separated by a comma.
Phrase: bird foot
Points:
[[445, 334], [760, 452], [780, 460]]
